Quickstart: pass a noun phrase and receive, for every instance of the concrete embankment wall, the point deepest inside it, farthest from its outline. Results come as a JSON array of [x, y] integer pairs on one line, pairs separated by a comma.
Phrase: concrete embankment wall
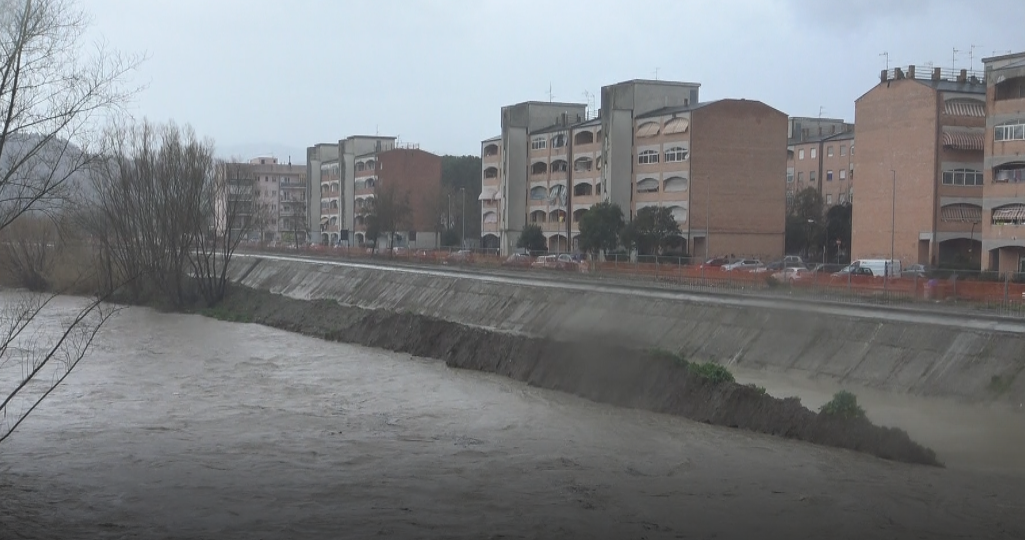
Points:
[[943, 356]]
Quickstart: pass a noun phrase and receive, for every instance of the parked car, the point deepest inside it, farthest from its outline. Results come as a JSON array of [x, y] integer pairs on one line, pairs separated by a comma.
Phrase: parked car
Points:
[[792, 275], [463, 256], [742, 265], [556, 262], [716, 262], [518, 260], [854, 271], [915, 270]]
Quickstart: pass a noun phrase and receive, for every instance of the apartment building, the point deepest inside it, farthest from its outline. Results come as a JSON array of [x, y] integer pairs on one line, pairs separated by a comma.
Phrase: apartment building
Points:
[[920, 168], [334, 184], [552, 162], [409, 180], [1003, 229], [819, 155], [279, 195]]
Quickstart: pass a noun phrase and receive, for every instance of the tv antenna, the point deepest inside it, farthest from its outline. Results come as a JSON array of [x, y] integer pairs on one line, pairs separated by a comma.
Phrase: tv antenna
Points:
[[656, 74], [551, 96], [971, 57], [821, 108], [887, 55], [953, 59]]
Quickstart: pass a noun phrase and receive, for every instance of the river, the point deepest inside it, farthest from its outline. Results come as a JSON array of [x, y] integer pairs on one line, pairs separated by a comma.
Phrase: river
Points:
[[179, 426]]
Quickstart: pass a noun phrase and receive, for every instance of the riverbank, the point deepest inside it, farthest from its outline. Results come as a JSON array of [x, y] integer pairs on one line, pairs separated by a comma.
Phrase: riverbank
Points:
[[594, 369]]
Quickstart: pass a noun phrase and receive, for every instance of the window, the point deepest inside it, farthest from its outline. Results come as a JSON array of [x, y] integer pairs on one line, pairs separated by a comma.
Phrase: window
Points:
[[647, 156], [537, 216], [790, 177], [962, 177], [559, 141], [648, 185], [811, 176], [538, 143], [676, 153], [583, 137], [1011, 172], [1011, 131], [1012, 214], [800, 177], [360, 166], [539, 168], [829, 199], [648, 129], [814, 153], [491, 172], [829, 151], [582, 190], [491, 150], [843, 174], [829, 176], [852, 149], [675, 184], [560, 166], [800, 154], [583, 164], [676, 125], [843, 149], [538, 193]]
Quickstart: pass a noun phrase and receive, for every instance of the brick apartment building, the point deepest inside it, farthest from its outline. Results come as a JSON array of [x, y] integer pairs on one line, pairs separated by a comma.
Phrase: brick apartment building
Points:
[[1003, 226], [715, 165], [819, 154], [279, 193], [345, 179], [920, 168]]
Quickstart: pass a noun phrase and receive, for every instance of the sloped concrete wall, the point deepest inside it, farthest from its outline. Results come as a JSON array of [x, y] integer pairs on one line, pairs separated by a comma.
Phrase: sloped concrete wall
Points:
[[927, 355]]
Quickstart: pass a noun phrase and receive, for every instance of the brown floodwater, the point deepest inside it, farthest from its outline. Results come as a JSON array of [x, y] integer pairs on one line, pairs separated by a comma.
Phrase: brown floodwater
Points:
[[178, 426]]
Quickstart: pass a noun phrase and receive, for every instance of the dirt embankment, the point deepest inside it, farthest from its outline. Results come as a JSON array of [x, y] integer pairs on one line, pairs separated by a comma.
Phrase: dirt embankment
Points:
[[602, 372]]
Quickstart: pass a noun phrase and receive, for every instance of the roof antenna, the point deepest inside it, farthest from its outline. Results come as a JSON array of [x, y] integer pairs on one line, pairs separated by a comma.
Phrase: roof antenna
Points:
[[656, 74], [820, 112], [551, 96], [953, 59], [887, 55]]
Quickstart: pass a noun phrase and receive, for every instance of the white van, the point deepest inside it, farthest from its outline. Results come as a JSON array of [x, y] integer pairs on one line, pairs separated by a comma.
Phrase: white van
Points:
[[879, 267]]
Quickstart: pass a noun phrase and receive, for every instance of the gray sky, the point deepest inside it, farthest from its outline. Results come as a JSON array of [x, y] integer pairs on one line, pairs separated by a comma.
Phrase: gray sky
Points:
[[265, 75]]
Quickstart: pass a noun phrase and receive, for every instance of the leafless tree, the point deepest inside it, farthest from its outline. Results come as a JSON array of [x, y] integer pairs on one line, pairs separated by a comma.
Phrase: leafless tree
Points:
[[391, 213], [53, 94]]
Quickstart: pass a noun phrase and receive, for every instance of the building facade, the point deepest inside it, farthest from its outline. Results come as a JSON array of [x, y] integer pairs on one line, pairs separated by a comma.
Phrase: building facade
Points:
[[335, 185], [920, 168], [406, 181], [715, 166], [1003, 226], [819, 155], [279, 193]]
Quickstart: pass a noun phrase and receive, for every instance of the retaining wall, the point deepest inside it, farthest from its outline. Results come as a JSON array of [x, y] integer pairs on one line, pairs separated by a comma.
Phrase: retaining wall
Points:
[[971, 359]]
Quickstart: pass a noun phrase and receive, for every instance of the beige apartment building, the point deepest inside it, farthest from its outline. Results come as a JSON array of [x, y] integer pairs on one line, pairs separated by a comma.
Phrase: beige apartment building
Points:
[[819, 155], [1003, 206], [279, 195], [715, 165], [919, 161]]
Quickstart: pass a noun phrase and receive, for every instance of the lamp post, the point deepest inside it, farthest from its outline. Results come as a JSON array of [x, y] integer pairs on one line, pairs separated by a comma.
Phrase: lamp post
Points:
[[462, 218], [893, 227]]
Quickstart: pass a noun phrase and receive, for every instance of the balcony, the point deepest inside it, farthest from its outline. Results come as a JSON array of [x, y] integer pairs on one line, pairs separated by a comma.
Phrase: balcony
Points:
[[490, 227]]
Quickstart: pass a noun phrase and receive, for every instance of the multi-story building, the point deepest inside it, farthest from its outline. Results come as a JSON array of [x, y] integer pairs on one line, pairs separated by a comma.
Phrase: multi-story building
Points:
[[652, 144], [920, 168], [1003, 206], [408, 180], [348, 176], [279, 194], [819, 154]]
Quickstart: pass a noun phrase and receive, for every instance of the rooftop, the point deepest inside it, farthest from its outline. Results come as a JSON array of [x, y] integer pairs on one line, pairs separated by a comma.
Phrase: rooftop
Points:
[[657, 82], [944, 80], [677, 109]]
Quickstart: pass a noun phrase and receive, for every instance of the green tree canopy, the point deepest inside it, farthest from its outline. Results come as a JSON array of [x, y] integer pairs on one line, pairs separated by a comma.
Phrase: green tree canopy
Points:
[[805, 225], [532, 239], [457, 173], [652, 230], [600, 227], [838, 227]]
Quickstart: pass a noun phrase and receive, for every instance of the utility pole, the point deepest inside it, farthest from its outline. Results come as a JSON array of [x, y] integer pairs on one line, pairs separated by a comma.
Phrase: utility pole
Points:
[[708, 209], [893, 221], [462, 218]]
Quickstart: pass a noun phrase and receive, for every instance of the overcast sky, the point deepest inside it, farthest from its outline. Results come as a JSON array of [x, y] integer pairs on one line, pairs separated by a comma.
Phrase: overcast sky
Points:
[[277, 76]]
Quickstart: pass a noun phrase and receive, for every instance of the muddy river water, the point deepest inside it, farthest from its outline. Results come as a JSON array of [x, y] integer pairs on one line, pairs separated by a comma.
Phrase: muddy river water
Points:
[[180, 426]]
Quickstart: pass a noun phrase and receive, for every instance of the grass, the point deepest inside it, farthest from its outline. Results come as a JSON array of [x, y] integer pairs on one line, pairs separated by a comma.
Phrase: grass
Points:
[[759, 389], [843, 405], [713, 372], [223, 314]]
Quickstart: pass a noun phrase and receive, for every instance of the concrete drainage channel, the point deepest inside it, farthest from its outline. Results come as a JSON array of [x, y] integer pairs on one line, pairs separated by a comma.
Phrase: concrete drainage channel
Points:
[[975, 359]]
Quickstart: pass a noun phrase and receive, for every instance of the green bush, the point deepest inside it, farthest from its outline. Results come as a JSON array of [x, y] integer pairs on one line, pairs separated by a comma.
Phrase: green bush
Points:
[[844, 405], [759, 389], [713, 372]]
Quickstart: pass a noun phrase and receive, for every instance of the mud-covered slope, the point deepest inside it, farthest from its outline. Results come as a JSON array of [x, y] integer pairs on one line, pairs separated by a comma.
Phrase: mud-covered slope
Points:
[[602, 372]]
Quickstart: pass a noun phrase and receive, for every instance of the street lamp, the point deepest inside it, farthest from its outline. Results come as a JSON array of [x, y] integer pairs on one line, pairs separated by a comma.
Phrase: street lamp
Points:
[[462, 218], [893, 227]]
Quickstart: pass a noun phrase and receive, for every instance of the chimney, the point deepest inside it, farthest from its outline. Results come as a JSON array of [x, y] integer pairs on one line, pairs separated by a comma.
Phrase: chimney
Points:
[[963, 76], [936, 74], [898, 73], [911, 72], [882, 76], [565, 119]]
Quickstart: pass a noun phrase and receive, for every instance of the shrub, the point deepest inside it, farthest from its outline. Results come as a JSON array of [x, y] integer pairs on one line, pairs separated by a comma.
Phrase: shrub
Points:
[[772, 282], [679, 358], [843, 405], [759, 389], [713, 372]]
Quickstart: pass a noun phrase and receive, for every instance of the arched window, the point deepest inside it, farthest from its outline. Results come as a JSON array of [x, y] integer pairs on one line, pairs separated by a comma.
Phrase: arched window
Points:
[[491, 172], [371, 182], [557, 216], [647, 185], [579, 213], [648, 129], [647, 156], [538, 193], [491, 150], [559, 165], [490, 217], [679, 213], [539, 168], [675, 154], [537, 216], [583, 137], [371, 164], [360, 166], [676, 125], [583, 189], [1011, 214], [583, 164], [675, 184]]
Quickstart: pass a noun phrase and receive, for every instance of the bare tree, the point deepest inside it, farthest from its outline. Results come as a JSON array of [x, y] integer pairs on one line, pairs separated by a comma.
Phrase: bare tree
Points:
[[53, 93], [391, 213]]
